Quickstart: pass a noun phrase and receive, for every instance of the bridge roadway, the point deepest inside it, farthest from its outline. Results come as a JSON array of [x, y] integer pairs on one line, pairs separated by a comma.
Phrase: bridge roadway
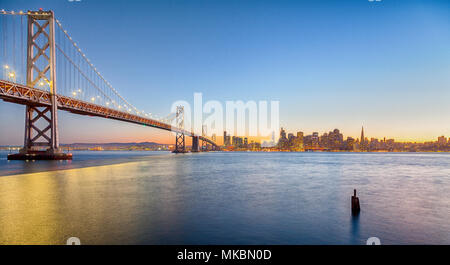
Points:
[[21, 94]]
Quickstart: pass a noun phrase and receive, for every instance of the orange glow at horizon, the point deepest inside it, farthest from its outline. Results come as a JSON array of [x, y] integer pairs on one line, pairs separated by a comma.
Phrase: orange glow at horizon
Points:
[[83, 129]]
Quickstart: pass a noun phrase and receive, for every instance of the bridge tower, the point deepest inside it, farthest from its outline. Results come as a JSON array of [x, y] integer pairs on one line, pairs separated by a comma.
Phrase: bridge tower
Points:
[[180, 146], [214, 139], [204, 143], [41, 122]]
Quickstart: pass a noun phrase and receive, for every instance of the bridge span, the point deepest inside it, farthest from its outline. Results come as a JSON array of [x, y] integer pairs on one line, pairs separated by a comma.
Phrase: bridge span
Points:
[[29, 96], [81, 89]]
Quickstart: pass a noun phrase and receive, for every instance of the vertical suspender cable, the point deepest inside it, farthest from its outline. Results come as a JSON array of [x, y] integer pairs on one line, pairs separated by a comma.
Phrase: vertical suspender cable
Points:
[[22, 47], [5, 34], [70, 70], [79, 74], [13, 27], [3, 46], [74, 71]]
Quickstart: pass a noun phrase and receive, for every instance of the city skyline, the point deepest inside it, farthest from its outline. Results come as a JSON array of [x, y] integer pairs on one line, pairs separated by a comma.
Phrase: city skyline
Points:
[[386, 68], [221, 138], [332, 141], [166, 138]]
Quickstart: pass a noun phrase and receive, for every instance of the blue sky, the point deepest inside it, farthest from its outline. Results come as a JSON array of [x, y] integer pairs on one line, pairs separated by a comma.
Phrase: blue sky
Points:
[[331, 64]]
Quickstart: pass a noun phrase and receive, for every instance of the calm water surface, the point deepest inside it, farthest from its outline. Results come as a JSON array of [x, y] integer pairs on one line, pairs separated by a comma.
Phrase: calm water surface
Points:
[[226, 198]]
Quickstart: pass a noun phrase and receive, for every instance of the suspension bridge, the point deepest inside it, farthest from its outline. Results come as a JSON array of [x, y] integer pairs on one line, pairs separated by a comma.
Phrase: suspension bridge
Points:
[[44, 69]]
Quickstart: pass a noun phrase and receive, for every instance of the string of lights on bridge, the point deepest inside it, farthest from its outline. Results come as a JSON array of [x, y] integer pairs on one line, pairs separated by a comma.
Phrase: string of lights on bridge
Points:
[[77, 76]]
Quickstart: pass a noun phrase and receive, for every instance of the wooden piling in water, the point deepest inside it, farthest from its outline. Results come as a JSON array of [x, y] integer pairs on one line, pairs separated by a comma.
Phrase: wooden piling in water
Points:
[[355, 204]]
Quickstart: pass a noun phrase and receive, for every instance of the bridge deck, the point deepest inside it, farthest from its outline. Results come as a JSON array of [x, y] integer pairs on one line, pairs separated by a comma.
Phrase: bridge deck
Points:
[[20, 94]]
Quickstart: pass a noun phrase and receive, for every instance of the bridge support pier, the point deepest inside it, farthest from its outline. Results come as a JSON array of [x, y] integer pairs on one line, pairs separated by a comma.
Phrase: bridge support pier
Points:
[[37, 138], [180, 146], [29, 154], [41, 143], [195, 144]]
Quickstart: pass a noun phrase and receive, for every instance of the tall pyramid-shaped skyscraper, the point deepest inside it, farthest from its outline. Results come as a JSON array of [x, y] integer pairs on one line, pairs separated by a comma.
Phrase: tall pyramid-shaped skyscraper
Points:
[[362, 142]]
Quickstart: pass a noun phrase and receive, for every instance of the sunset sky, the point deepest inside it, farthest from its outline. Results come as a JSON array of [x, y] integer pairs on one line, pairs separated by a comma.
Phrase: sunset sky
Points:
[[331, 64]]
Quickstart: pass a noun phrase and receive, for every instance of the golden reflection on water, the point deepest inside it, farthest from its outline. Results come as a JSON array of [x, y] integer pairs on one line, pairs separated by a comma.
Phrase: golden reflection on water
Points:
[[49, 207]]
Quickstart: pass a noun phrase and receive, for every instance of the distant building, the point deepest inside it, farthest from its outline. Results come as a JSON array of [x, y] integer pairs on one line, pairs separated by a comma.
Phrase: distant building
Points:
[[237, 142], [297, 142], [442, 140], [226, 139], [349, 144], [290, 136], [283, 141], [315, 139], [282, 133], [307, 141], [363, 143]]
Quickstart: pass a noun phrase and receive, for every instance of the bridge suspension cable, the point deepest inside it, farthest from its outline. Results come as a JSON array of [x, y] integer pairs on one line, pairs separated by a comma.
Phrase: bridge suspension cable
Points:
[[78, 64], [13, 49], [58, 75], [77, 76]]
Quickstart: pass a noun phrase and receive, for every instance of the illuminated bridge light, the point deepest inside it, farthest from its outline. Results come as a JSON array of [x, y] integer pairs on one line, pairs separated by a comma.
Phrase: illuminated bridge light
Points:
[[93, 99], [6, 66]]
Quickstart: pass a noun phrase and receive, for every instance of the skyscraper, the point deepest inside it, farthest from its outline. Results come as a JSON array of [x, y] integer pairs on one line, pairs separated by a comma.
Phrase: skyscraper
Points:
[[226, 139], [299, 142], [282, 142], [315, 139], [362, 142], [282, 133]]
